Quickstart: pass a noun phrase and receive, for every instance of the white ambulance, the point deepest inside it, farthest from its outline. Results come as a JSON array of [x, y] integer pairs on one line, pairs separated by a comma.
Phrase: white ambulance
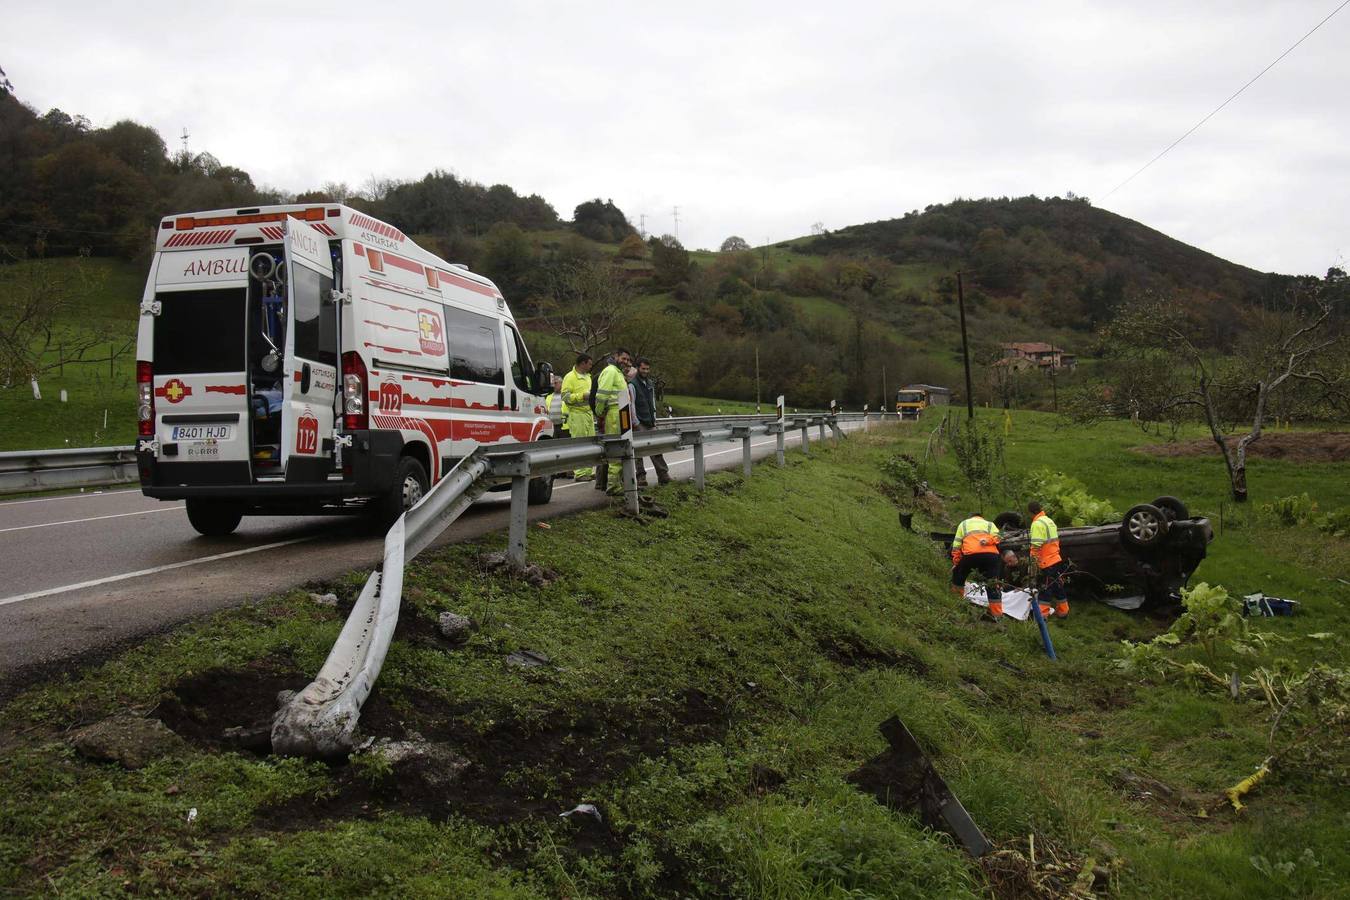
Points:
[[310, 359]]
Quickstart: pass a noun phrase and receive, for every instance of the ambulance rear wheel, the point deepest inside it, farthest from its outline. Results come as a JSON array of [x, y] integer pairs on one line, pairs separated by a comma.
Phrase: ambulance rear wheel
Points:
[[410, 486], [214, 518]]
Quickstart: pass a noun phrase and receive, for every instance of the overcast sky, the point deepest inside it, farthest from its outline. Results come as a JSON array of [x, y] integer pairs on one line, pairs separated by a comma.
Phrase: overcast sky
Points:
[[757, 119]]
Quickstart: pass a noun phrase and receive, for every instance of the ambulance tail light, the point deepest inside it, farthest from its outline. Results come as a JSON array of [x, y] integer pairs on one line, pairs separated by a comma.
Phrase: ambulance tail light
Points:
[[353, 392], [145, 391]]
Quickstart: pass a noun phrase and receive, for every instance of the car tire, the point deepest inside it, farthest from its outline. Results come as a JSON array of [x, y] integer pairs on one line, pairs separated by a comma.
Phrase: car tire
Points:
[[1144, 527], [541, 490], [410, 485], [214, 518], [1008, 519], [1173, 507]]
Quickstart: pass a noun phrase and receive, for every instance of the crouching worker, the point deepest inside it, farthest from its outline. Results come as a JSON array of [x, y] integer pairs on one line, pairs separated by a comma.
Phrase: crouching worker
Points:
[[1045, 550], [975, 549]]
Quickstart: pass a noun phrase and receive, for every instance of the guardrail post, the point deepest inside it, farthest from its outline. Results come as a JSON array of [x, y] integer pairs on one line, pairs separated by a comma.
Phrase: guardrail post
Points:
[[867, 420], [821, 425], [836, 433], [698, 463], [806, 436], [629, 470], [746, 461], [520, 504]]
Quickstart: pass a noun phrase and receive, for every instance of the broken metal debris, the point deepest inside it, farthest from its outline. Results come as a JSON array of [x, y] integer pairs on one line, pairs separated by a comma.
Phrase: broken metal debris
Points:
[[904, 778]]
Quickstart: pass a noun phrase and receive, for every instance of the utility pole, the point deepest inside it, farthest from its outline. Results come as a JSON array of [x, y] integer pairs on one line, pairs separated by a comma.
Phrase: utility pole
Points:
[[676, 212], [642, 225], [965, 346], [757, 378]]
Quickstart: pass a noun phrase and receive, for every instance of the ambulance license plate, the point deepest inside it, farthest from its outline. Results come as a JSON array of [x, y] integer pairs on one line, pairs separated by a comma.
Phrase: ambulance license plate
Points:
[[203, 432]]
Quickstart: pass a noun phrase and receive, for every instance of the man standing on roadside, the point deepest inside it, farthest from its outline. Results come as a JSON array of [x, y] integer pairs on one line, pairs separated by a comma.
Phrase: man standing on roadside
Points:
[[644, 408], [1044, 537], [576, 398], [612, 382]]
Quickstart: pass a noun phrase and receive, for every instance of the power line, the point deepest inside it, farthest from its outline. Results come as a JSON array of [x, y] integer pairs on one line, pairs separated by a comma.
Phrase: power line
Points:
[[1197, 125]]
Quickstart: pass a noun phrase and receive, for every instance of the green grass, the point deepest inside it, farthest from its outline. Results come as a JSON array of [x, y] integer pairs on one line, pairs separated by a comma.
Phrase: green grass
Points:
[[727, 668], [106, 305]]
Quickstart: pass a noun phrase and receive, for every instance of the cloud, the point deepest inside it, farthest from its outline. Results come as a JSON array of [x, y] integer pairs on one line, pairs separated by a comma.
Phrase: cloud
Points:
[[755, 119]]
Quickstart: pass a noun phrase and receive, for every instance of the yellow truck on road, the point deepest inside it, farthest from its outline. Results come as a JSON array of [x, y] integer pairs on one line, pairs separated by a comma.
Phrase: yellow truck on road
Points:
[[913, 399]]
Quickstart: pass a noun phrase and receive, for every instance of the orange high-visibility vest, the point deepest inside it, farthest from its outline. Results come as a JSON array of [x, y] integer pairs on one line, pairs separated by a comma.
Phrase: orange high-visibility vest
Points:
[[975, 535], [1045, 541]]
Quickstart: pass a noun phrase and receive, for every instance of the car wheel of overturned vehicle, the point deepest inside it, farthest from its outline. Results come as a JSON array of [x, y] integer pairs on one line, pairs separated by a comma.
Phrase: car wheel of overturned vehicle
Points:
[[1173, 508], [1009, 519], [1144, 527], [214, 518]]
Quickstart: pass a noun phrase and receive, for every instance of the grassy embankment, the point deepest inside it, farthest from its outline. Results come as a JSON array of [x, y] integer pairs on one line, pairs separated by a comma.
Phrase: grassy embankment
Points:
[[714, 677]]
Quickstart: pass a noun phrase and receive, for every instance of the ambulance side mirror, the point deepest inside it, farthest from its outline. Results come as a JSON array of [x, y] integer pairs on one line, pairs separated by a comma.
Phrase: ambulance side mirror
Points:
[[543, 378]]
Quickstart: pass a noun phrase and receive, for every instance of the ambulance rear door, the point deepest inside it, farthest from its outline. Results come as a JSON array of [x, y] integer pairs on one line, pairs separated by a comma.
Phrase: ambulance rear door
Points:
[[310, 374]]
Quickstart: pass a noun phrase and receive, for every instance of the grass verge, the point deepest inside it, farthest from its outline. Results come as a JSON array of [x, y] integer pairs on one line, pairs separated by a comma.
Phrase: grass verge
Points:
[[712, 680]]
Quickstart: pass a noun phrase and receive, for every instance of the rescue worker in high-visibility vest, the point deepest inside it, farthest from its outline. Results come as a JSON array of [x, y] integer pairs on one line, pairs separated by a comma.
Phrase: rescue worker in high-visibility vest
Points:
[[553, 407], [1044, 536], [975, 549], [576, 404], [612, 383]]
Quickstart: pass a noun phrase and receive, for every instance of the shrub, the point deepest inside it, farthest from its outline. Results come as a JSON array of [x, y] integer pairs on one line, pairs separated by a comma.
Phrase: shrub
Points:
[[1296, 509], [1066, 499]]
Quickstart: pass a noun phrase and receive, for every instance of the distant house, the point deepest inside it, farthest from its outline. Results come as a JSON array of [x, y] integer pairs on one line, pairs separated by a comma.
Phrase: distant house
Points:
[[1036, 355]]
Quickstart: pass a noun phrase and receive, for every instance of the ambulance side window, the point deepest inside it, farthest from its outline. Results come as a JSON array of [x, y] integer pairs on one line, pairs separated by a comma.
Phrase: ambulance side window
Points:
[[474, 351], [520, 360], [315, 316]]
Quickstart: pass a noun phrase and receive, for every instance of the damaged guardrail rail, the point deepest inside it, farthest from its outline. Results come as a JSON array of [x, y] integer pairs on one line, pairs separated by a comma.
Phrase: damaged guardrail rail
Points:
[[321, 720]]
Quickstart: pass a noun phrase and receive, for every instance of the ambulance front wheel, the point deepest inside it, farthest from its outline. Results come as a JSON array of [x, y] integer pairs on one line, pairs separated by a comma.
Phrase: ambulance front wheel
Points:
[[541, 490], [214, 518]]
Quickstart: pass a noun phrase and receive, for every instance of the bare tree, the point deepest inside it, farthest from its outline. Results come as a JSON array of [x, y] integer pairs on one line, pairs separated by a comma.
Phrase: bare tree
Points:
[[1282, 348], [40, 328], [586, 302]]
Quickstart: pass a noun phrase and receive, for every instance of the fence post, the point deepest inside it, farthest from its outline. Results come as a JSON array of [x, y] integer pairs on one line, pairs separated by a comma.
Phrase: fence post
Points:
[[781, 435], [520, 500]]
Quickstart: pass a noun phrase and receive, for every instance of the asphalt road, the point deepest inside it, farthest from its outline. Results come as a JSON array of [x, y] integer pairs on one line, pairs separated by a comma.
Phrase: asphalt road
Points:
[[82, 573]]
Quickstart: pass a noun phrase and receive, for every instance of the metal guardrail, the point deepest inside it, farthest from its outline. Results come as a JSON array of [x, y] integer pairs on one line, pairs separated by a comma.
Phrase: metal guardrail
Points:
[[41, 470], [321, 720]]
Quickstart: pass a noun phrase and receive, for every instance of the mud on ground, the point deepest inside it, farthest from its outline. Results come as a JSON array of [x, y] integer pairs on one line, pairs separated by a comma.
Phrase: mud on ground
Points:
[[1302, 446]]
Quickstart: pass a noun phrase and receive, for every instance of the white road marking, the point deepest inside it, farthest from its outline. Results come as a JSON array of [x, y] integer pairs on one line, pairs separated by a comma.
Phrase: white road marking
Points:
[[19, 598], [83, 496], [144, 512]]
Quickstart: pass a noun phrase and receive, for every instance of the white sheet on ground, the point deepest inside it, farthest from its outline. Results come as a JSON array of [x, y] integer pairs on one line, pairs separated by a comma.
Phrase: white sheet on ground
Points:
[[1015, 603]]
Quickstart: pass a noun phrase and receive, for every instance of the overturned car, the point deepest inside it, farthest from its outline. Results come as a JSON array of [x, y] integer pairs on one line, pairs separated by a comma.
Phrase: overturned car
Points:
[[1145, 559]]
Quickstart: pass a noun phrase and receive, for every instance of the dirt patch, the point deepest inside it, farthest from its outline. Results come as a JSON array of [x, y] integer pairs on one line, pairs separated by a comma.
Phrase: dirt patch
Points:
[[855, 652], [1307, 446], [221, 708], [520, 767]]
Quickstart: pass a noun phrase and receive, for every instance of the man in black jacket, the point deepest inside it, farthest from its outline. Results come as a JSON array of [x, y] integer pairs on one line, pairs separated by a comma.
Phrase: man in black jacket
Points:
[[644, 402]]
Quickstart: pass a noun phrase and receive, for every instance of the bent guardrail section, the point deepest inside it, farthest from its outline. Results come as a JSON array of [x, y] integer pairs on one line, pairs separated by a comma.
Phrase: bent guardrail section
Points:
[[321, 720]]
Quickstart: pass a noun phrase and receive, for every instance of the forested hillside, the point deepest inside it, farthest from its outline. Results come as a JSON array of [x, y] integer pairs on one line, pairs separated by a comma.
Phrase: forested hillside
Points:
[[847, 315]]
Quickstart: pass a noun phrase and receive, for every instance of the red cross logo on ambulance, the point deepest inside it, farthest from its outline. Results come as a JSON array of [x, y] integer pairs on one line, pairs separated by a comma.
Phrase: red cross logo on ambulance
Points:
[[307, 433], [391, 397], [174, 390], [429, 332]]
